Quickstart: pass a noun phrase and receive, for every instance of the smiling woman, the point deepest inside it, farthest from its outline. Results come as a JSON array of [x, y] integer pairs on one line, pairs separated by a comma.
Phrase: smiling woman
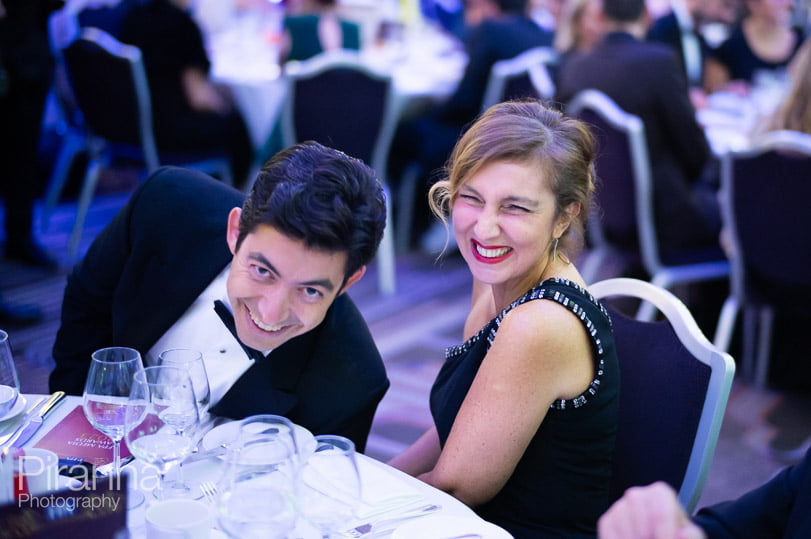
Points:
[[525, 408]]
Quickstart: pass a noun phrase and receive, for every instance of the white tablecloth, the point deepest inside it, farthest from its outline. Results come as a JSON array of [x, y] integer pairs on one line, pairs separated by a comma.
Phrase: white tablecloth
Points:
[[386, 491]]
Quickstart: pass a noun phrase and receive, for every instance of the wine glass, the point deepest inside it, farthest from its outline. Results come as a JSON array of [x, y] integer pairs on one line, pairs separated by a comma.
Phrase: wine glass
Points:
[[257, 488], [161, 413], [328, 486], [106, 393], [192, 362], [270, 425], [9, 381]]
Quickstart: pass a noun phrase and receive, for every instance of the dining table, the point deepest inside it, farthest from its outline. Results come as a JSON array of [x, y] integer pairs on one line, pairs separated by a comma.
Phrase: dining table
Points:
[[385, 491], [426, 64]]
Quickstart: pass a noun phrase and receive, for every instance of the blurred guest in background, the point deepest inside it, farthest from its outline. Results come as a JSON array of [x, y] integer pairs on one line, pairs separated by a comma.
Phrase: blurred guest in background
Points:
[[190, 113], [763, 40], [525, 409], [26, 72], [681, 30], [497, 30], [580, 26], [645, 79], [317, 28], [546, 12], [777, 509], [794, 110]]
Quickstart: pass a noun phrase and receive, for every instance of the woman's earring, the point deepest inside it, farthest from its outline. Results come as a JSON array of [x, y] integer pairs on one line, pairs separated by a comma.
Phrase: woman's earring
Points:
[[555, 250]]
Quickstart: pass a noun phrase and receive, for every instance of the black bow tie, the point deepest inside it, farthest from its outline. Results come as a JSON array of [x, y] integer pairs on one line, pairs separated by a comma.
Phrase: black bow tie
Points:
[[228, 319]]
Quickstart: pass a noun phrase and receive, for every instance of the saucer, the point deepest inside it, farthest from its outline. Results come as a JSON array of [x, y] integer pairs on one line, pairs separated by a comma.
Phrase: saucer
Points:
[[227, 433], [16, 410]]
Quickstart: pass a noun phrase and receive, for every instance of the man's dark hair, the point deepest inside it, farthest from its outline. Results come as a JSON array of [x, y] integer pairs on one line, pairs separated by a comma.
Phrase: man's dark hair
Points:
[[321, 196], [624, 10]]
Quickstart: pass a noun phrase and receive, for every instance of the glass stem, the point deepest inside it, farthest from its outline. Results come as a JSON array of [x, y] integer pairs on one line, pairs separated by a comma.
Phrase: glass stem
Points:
[[117, 458]]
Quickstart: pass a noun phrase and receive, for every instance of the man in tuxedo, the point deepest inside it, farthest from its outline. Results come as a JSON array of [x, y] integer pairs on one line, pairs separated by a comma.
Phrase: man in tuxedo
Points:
[[257, 285], [778, 508], [645, 80]]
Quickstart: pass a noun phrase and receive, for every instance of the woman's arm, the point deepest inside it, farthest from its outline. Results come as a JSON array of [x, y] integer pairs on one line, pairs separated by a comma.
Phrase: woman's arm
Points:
[[540, 353], [421, 456]]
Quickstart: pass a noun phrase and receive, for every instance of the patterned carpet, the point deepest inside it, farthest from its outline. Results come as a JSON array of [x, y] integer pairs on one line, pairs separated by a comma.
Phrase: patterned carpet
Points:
[[762, 431]]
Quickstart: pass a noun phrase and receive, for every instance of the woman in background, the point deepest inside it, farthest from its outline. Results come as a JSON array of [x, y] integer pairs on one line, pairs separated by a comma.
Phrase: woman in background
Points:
[[764, 40], [525, 409], [794, 110]]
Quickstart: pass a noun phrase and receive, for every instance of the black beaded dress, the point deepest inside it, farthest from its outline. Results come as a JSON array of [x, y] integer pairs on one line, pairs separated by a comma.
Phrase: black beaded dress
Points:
[[560, 486]]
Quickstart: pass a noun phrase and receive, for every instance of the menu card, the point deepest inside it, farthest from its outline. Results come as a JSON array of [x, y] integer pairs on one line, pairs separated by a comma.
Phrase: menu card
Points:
[[75, 439]]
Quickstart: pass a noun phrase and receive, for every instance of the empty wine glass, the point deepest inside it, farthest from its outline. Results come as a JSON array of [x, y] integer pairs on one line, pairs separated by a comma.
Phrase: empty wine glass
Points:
[[256, 489], [161, 413], [328, 486], [9, 381], [269, 425], [192, 362], [107, 391]]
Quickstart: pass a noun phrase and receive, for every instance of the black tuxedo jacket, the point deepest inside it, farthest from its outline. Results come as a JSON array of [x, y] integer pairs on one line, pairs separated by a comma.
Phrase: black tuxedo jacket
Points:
[[155, 258], [779, 508], [645, 79]]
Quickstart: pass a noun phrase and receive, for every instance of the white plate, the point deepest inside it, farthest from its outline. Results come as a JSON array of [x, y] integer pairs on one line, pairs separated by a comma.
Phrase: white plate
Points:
[[16, 410], [443, 526], [227, 433]]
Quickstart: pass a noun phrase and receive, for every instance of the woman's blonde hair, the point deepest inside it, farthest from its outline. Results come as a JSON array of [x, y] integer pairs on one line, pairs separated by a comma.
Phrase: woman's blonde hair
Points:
[[794, 111], [526, 132]]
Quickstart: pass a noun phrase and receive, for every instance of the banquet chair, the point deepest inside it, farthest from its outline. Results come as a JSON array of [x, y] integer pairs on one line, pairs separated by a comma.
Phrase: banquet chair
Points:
[[108, 81], [336, 99], [525, 75], [673, 393], [624, 225], [765, 188]]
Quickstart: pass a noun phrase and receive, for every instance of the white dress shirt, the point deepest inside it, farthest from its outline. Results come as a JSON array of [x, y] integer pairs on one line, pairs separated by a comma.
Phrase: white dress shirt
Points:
[[200, 328]]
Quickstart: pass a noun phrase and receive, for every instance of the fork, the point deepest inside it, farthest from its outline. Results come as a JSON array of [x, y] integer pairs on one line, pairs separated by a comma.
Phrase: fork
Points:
[[209, 490]]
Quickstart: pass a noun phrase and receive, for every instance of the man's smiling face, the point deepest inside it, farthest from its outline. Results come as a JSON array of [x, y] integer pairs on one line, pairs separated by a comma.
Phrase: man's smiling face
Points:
[[278, 287]]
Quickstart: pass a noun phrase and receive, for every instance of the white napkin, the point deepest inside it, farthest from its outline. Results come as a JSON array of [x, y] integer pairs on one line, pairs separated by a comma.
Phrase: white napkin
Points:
[[384, 492]]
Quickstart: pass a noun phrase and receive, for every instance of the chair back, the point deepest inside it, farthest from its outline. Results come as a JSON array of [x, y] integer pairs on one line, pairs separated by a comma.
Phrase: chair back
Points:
[[624, 220], [525, 75], [764, 190], [673, 393], [109, 83], [336, 99]]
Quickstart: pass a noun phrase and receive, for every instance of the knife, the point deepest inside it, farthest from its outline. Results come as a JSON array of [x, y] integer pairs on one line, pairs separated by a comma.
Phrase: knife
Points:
[[388, 524], [34, 419]]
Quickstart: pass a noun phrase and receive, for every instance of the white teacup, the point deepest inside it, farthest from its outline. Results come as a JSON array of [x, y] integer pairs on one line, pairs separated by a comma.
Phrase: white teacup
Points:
[[41, 469], [179, 518]]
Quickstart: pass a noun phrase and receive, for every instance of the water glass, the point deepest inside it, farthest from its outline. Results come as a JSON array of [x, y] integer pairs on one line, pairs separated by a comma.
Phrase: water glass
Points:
[[9, 381], [257, 488], [161, 414], [269, 425], [328, 489], [190, 361]]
